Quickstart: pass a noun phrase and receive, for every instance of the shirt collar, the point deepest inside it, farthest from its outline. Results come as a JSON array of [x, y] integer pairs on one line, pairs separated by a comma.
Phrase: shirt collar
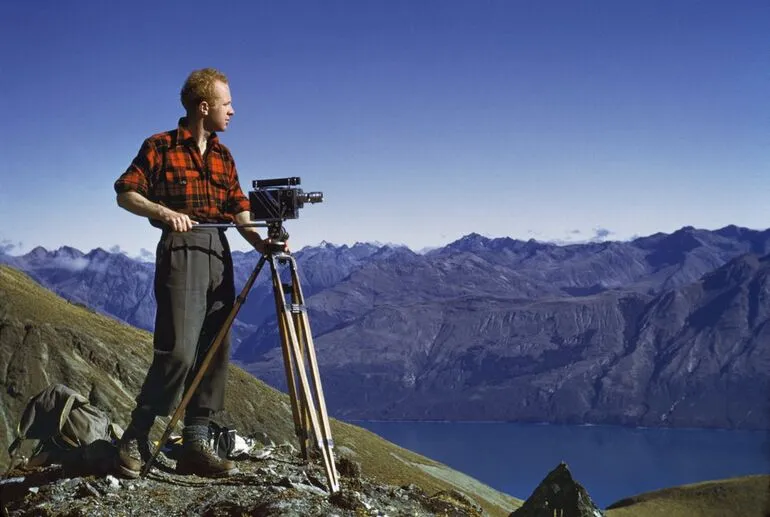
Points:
[[184, 136]]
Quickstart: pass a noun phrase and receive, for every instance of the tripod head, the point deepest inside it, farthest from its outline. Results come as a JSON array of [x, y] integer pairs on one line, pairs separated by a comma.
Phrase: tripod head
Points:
[[277, 232], [278, 237]]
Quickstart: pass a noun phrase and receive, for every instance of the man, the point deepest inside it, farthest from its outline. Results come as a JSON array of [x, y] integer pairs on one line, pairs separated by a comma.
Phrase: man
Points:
[[180, 178]]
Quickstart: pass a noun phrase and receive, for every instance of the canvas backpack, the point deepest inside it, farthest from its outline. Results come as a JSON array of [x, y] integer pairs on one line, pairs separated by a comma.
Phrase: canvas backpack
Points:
[[222, 439], [62, 419]]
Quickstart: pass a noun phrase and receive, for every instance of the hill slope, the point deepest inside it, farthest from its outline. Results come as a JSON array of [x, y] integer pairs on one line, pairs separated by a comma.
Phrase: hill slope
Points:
[[747, 496], [45, 339]]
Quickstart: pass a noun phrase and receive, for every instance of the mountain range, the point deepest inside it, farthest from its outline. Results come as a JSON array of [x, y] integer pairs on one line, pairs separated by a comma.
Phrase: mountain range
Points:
[[663, 330]]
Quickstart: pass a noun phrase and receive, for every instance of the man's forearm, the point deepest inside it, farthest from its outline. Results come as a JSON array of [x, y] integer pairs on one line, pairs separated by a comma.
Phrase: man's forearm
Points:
[[140, 205], [249, 233]]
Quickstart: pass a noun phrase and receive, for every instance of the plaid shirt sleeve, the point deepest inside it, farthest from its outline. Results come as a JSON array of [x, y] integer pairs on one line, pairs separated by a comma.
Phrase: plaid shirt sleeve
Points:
[[237, 201], [139, 176]]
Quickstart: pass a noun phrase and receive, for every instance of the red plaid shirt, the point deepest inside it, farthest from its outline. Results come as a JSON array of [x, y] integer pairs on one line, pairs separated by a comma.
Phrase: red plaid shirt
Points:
[[170, 171]]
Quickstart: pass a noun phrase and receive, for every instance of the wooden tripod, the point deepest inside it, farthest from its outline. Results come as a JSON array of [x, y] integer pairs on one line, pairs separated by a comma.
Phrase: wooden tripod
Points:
[[308, 405]]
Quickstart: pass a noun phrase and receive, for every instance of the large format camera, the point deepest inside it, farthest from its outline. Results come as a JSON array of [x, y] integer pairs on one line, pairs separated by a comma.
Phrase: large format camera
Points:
[[275, 200]]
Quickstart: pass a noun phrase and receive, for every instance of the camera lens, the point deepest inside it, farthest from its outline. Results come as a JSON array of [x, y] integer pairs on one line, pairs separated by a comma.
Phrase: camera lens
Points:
[[314, 197]]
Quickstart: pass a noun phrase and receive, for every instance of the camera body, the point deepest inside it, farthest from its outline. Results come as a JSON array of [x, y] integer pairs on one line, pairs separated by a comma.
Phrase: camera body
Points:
[[278, 199]]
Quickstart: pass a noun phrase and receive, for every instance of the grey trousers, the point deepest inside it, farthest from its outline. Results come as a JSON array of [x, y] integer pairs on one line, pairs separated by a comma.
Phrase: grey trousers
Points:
[[195, 291]]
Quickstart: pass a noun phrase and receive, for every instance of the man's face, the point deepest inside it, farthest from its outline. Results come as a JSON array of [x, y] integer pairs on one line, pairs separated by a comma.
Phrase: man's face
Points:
[[220, 109]]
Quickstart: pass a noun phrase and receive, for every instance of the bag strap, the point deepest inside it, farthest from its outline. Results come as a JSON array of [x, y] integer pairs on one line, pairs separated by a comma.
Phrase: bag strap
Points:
[[13, 449]]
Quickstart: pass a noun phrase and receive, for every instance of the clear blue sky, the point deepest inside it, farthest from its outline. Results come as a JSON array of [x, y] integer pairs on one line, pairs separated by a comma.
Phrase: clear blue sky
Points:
[[420, 120]]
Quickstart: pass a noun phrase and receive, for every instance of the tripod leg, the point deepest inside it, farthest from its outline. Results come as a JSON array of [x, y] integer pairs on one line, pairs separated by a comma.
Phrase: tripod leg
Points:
[[326, 433], [205, 364], [326, 452], [303, 325], [305, 393], [288, 362], [297, 321]]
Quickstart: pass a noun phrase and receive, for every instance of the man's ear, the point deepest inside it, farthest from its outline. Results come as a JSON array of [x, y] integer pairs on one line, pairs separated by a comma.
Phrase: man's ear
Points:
[[203, 108]]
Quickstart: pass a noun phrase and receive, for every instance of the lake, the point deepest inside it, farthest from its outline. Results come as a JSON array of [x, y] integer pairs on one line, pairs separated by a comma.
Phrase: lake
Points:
[[610, 462]]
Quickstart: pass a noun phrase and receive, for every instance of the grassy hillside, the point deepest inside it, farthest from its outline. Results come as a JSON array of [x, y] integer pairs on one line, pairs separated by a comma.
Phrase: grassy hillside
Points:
[[45, 339], [747, 496]]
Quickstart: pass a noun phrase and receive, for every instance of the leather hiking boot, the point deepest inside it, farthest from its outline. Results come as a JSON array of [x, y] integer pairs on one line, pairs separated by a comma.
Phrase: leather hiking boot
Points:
[[133, 451], [197, 457]]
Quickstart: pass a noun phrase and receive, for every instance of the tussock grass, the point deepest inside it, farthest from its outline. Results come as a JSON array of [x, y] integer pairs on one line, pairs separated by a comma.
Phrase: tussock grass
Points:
[[746, 496], [24, 299], [251, 405]]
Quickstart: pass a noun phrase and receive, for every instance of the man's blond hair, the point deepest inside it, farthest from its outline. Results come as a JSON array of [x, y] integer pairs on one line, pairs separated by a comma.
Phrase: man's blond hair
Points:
[[199, 87]]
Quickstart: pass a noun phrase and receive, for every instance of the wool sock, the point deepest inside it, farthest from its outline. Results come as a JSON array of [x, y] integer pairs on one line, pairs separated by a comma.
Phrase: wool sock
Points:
[[195, 433], [196, 425]]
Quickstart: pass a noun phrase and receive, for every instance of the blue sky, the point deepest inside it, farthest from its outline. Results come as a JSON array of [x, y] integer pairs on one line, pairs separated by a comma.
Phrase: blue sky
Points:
[[421, 121]]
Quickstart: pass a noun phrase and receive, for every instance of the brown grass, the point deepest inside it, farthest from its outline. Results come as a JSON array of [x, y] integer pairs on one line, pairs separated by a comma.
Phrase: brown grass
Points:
[[251, 405], [28, 301], [746, 496]]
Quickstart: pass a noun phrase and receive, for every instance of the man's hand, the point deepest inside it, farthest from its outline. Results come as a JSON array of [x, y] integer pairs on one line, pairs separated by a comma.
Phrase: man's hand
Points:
[[176, 221], [265, 246], [140, 205]]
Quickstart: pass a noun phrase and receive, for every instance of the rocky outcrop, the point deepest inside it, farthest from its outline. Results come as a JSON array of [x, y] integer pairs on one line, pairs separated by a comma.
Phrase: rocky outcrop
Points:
[[273, 481], [558, 495]]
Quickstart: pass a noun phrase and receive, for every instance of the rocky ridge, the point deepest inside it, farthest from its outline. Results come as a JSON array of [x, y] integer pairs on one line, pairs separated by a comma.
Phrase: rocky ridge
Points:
[[559, 494], [273, 481]]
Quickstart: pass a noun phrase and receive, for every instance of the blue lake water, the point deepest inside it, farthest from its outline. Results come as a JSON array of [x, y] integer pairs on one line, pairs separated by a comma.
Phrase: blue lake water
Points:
[[610, 462]]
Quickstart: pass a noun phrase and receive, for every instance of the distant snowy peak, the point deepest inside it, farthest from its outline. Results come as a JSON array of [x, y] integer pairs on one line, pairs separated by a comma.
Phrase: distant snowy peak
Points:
[[68, 252], [359, 248], [394, 252], [470, 242], [475, 243], [38, 252]]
